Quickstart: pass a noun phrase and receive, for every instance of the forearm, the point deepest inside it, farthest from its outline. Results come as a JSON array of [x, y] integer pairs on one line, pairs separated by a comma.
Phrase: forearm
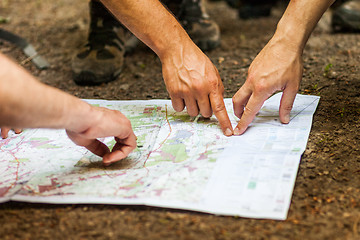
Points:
[[299, 20], [26, 102], [151, 23]]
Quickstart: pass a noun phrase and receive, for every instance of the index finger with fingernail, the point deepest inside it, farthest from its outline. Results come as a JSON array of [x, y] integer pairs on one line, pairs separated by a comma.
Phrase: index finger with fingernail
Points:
[[219, 109], [250, 111]]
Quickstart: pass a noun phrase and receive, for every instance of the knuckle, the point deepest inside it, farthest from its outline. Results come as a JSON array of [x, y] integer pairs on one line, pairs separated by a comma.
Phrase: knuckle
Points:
[[215, 83], [88, 133], [218, 108], [176, 96], [174, 92], [198, 87], [250, 75], [127, 122], [261, 86], [234, 99], [174, 89], [288, 108], [248, 111], [184, 92]]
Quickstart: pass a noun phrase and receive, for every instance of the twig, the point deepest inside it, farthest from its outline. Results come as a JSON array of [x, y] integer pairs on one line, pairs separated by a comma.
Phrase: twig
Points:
[[28, 59]]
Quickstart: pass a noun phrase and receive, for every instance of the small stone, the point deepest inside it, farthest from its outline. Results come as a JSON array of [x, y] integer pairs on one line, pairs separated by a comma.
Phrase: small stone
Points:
[[310, 165], [346, 214], [139, 75], [124, 87]]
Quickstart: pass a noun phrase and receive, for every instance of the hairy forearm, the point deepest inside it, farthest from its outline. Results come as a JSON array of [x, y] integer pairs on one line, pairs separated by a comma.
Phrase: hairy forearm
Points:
[[151, 23], [26, 102], [299, 20]]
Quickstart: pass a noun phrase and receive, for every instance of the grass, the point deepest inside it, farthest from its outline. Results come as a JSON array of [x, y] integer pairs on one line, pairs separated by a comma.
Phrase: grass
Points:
[[327, 69]]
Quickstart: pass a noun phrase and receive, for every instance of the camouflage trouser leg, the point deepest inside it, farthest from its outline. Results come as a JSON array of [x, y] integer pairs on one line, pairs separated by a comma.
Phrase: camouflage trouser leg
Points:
[[193, 17], [101, 58]]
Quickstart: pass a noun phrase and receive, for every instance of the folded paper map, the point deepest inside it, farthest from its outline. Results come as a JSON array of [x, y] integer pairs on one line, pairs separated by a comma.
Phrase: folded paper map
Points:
[[180, 162]]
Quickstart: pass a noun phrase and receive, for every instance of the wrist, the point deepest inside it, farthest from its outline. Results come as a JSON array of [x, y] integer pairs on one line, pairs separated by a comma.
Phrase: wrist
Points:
[[293, 36], [173, 44], [79, 116], [299, 20]]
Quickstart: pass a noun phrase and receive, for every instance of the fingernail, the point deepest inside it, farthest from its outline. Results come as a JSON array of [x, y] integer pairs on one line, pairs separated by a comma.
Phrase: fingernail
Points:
[[287, 118], [228, 132], [237, 132]]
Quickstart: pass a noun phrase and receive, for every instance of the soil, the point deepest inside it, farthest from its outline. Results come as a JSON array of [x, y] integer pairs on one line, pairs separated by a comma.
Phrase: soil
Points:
[[326, 198]]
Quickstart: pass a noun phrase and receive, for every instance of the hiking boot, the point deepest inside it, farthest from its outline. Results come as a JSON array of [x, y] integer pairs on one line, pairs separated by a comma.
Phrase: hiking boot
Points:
[[346, 18], [233, 3], [250, 9], [202, 30], [101, 59], [192, 15]]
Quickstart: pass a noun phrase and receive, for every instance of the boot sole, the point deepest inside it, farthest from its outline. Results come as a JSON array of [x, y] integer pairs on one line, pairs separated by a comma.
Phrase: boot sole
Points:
[[345, 21], [87, 78], [207, 45]]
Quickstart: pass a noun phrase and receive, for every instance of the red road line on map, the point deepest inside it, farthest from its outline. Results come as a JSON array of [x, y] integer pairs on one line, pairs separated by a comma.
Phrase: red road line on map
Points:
[[16, 175], [17, 167], [167, 120]]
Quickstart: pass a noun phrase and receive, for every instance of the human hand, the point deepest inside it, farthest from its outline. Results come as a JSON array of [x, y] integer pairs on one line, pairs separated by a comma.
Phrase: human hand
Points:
[[107, 123], [278, 67], [5, 131], [193, 81]]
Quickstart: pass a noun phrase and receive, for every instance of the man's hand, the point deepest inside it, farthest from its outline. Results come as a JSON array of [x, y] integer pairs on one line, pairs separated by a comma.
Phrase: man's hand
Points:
[[194, 82], [48, 107], [278, 67], [107, 123], [190, 77], [5, 131]]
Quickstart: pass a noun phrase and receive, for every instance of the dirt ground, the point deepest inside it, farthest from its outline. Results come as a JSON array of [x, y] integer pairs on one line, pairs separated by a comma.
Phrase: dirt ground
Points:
[[326, 198]]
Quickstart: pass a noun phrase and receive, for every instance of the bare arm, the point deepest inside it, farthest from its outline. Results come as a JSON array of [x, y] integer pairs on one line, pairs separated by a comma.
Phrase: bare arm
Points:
[[279, 67], [27, 103], [23, 98], [190, 77]]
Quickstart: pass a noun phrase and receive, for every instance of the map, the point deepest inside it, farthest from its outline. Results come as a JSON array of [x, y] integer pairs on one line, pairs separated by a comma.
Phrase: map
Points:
[[180, 162]]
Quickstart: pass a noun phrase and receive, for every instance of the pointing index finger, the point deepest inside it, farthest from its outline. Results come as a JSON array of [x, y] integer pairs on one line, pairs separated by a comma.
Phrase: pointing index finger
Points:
[[250, 111], [218, 107]]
